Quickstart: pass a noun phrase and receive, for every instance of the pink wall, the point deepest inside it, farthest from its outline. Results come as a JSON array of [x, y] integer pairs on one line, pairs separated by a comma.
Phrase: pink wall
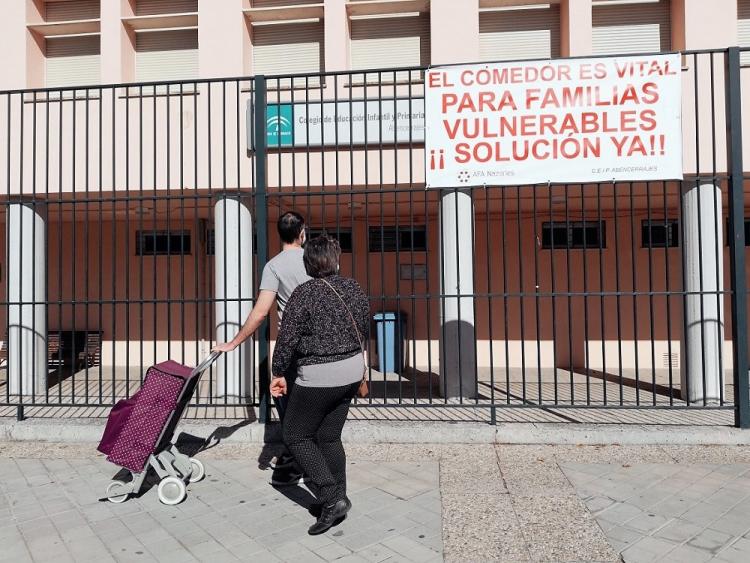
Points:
[[226, 49]]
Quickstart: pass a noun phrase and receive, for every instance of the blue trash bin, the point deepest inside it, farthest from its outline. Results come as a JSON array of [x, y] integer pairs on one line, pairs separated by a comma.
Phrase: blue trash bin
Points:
[[390, 331]]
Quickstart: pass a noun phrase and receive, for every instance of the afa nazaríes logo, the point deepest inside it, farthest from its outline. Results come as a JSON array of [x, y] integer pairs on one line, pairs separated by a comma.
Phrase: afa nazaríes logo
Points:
[[279, 125]]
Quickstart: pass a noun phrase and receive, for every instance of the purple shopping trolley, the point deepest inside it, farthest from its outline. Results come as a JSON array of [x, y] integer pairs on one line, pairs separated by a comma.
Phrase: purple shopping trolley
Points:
[[139, 433]]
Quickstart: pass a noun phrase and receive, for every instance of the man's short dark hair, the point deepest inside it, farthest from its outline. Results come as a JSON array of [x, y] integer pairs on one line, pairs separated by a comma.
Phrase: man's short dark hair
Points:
[[321, 256], [290, 226]]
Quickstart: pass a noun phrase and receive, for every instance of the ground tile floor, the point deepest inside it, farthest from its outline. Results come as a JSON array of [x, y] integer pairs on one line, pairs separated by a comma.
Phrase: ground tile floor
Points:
[[411, 503]]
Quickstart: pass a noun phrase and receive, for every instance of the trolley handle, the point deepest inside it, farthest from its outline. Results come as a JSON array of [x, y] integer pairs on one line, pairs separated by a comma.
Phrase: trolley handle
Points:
[[206, 363]]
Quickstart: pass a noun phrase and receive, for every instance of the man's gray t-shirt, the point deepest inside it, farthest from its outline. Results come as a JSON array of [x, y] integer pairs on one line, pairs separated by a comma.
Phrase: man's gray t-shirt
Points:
[[282, 274]]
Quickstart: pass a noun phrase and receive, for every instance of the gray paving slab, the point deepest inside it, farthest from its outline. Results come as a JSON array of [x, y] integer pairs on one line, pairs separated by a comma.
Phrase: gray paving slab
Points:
[[704, 515], [233, 515], [464, 502]]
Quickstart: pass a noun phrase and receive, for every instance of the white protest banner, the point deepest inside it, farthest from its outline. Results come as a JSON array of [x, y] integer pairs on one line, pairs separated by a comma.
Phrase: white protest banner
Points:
[[575, 120]]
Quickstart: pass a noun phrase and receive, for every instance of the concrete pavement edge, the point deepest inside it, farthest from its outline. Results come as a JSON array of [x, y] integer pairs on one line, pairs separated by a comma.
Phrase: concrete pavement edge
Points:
[[392, 432]]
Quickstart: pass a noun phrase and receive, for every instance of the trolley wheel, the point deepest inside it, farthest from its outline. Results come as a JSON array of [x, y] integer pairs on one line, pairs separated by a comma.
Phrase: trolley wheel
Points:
[[198, 471], [117, 492], [171, 490]]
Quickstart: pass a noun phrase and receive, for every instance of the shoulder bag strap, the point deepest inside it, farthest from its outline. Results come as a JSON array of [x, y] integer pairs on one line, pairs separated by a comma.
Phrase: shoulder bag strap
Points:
[[351, 317]]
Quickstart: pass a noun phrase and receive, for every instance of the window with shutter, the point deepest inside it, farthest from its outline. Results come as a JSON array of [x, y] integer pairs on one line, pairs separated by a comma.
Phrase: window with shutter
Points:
[[743, 29], [71, 10], [522, 33], [288, 48], [72, 61], [166, 55], [390, 42], [630, 27], [281, 3], [154, 7]]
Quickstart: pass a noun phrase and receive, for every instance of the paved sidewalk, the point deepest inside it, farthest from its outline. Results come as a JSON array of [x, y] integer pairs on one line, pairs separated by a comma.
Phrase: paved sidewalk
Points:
[[49, 511], [460, 503], [671, 513]]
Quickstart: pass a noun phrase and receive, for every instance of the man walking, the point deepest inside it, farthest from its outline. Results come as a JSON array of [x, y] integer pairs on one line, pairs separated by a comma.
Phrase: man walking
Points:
[[281, 276]]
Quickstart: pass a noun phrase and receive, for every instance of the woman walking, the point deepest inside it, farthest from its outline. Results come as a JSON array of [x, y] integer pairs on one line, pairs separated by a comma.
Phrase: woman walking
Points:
[[325, 329]]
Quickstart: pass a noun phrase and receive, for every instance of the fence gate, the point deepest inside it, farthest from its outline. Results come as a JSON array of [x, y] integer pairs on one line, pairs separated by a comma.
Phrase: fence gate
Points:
[[138, 217]]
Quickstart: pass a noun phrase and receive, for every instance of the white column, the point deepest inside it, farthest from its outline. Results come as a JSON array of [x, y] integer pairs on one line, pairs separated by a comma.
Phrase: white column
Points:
[[27, 322], [457, 347], [233, 276], [703, 251]]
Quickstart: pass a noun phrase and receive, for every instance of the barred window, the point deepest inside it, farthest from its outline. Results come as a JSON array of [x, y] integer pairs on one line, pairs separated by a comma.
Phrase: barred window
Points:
[[156, 243], [573, 235], [401, 239]]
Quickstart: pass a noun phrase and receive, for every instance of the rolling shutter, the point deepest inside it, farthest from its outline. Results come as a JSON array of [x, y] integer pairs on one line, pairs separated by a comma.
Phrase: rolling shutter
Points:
[[520, 34], [288, 48], [72, 61], [72, 10], [631, 28], [390, 42], [743, 29], [166, 55], [153, 7], [282, 3]]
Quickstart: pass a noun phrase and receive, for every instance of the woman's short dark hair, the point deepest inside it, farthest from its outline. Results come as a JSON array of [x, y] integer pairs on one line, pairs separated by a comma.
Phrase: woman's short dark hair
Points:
[[290, 225], [321, 256]]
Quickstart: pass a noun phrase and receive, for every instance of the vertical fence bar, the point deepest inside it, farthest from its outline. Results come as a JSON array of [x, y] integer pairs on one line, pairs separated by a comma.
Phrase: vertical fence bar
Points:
[[618, 300], [141, 316], [47, 230], [8, 125], [537, 286], [261, 220], [553, 287], [718, 251], [737, 241]]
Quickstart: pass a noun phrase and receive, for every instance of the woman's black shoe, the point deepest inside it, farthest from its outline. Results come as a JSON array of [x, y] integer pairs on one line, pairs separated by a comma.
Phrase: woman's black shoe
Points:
[[330, 516], [288, 476], [316, 509]]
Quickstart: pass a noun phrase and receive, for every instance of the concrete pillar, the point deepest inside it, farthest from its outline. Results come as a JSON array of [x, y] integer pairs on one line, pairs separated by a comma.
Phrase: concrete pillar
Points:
[[336, 30], [224, 39], [27, 321], [457, 335], [233, 276], [23, 63], [703, 251], [697, 24], [575, 28], [457, 358], [460, 25], [117, 43]]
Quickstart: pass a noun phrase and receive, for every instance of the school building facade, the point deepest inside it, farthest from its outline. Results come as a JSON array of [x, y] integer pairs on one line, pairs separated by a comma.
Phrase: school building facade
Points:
[[139, 202]]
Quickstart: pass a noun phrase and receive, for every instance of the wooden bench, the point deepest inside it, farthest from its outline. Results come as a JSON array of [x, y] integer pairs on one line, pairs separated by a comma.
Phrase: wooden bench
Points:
[[63, 345], [91, 355], [53, 348]]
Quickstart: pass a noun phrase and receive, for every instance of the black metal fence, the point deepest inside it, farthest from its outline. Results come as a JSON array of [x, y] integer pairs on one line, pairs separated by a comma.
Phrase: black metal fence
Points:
[[138, 217]]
